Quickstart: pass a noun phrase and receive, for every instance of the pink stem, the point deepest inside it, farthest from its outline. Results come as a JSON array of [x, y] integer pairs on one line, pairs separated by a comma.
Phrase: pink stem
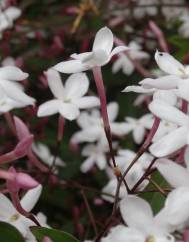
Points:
[[184, 107], [8, 157], [97, 73], [61, 124], [20, 209]]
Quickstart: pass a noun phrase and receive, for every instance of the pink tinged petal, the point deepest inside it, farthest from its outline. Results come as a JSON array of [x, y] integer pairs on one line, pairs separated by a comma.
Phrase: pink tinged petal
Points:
[[49, 108], [15, 93], [136, 212], [168, 96], [176, 175], [169, 113], [71, 66], [138, 134], [103, 40], [76, 86], [186, 235], [138, 89], [21, 128], [55, 83], [112, 110], [169, 64], [118, 49], [68, 111], [12, 73], [31, 197], [87, 164], [87, 102], [169, 143], [164, 83]]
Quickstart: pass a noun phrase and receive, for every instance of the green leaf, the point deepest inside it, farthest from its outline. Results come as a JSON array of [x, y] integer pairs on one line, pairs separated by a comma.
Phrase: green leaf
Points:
[[54, 234], [9, 233]]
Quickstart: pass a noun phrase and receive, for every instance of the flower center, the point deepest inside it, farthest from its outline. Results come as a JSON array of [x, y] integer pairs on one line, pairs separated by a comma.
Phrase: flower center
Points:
[[150, 239], [14, 217]]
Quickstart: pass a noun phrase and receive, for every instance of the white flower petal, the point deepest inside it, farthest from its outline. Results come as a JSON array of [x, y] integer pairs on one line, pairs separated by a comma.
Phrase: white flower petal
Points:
[[121, 233], [101, 161], [118, 49], [30, 198], [87, 102], [176, 175], [103, 40], [12, 73], [176, 206], [169, 64], [55, 83], [16, 93], [76, 86], [6, 208], [168, 96], [138, 134], [71, 66], [164, 83], [13, 13], [49, 108], [68, 111], [183, 91], [169, 113], [138, 89], [136, 212], [169, 143], [112, 109], [87, 164]]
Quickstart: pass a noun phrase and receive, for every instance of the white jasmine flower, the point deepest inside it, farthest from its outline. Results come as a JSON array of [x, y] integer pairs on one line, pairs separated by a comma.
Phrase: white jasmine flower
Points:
[[100, 55], [138, 127], [69, 97], [124, 63], [96, 154], [142, 225], [10, 215], [9, 76], [92, 125]]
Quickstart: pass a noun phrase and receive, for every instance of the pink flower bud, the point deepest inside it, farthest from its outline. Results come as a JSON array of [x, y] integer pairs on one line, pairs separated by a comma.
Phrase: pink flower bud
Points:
[[21, 129], [186, 235], [23, 146], [25, 181], [19, 181], [46, 239]]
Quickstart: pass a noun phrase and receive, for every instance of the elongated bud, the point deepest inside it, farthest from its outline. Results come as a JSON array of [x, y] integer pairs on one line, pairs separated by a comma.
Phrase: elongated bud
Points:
[[23, 147], [46, 239], [21, 129], [19, 181], [186, 235]]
